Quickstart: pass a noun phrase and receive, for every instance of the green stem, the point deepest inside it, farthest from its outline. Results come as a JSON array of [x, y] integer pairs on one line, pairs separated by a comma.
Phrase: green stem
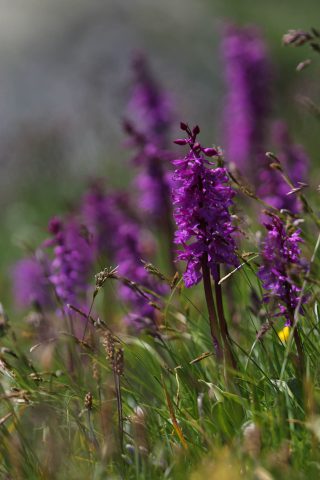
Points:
[[222, 321], [89, 313], [119, 408], [299, 346], [214, 324]]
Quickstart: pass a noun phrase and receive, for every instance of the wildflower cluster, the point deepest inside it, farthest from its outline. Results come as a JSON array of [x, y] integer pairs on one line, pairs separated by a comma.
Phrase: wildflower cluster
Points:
[[160, 374], [108, 232]]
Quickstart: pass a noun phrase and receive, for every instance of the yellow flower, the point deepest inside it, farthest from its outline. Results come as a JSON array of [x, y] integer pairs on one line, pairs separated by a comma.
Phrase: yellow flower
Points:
[[284, 334]]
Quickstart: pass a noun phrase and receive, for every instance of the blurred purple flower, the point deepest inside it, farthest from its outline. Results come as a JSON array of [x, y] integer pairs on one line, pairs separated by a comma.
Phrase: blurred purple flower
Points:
[[72, 261], [129, 257], [149, 107], [154, 188], [153, 180], [31, 284], [148, 124], [248, 75], [294, 160], [130, 248], [118, 236], [281, 264], [201, 200], [98, 217]]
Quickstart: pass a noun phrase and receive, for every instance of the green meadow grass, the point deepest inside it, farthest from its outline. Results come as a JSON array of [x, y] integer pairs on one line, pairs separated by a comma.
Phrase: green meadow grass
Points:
[[184, 414]]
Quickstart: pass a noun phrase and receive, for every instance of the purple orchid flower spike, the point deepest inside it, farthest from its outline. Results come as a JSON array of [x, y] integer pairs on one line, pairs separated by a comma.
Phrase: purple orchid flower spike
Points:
[[281, 266], [202, 197], [281, 262]]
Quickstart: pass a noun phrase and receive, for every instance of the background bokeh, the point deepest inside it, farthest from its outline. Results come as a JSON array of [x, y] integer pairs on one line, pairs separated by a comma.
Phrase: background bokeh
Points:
[[65, 78]]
